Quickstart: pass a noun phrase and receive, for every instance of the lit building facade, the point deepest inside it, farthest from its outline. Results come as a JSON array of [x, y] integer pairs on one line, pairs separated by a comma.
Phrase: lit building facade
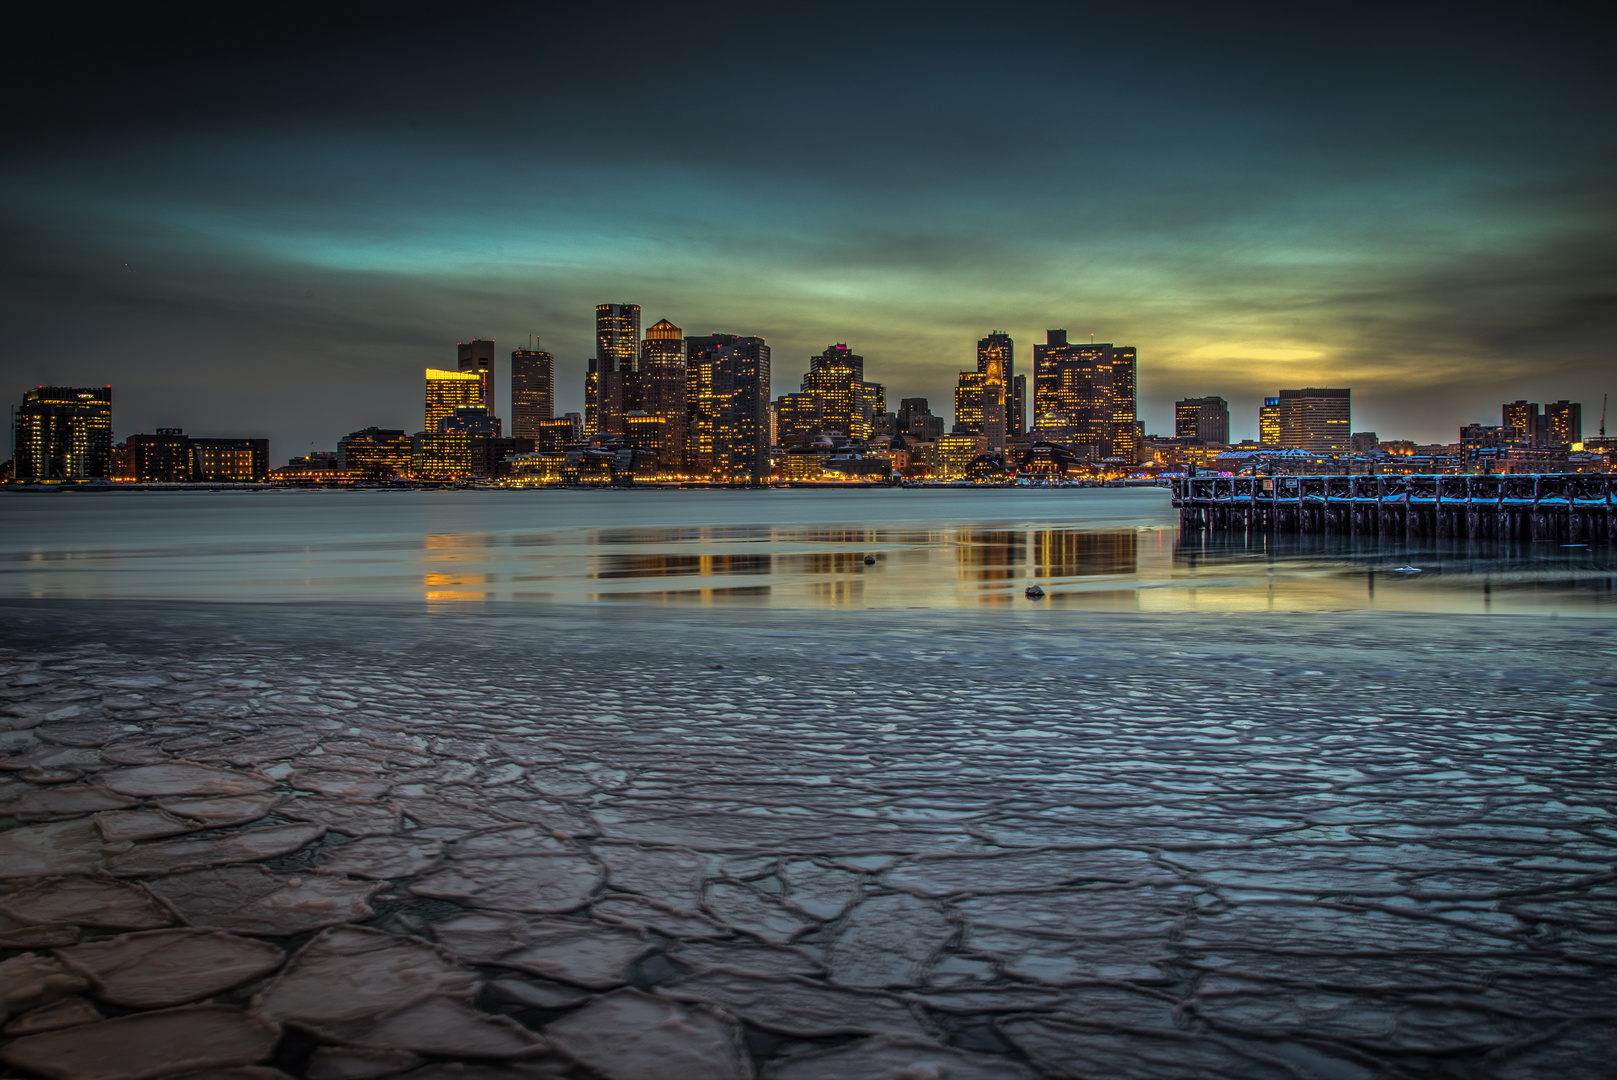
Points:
[[1269, 422], [230, 460], [63, 433], [436, 456], [163, 457], [559, 432], [1563, 423], [472, 420], [477, 357], [1317, 420], [1087, 392], [663, 387], [1527, 421], [1204, 418], [448, 391], [375, 453], [727, 408], [533, 391], [996, 363]]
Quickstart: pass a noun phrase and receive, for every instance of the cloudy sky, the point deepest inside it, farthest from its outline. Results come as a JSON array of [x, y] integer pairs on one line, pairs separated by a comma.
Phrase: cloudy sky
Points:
[[269, 227]]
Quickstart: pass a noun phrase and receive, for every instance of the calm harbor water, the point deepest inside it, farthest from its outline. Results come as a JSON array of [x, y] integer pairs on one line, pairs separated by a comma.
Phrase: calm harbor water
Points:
[[1115, 550]]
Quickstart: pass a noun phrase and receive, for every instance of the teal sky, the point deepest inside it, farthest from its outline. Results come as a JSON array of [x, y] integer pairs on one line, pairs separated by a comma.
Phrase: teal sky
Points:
[[274, 238]]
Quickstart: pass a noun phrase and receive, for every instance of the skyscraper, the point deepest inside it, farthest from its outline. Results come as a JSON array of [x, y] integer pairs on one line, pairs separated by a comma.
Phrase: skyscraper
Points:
[[1317, 420], [615, 369], [996, 362], [533, 391], [478, 355], [1563, 423], [1204, 418], [1017, 420], [834, 398], [448, 391], [1087, 391], [663, 388], [1525, 419], [63, 433], [727, 407]]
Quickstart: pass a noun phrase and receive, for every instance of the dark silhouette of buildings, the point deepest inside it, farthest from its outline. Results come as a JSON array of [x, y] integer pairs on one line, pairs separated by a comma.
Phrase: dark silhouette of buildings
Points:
[[477, 356], [1203, 418]]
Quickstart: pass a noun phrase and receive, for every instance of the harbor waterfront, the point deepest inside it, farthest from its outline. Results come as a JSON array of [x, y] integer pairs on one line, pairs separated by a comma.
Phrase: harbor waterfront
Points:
[[791, 784]]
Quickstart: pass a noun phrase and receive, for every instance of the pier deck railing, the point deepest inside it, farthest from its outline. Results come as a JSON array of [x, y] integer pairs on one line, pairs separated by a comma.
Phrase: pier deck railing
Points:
[[1564, 507]]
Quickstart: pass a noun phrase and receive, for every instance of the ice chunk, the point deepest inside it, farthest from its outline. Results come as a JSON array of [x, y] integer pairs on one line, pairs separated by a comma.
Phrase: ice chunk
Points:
[[66, 1012], [887, 942], [1063, 1049], [670, 876], [182, 778], [886, 1058], [86, 901], [250, 845], [446, 1027], [253, 900], [539, 993], [946, 875], [820, 892], [344, 785], [795, 1006], [63, 847], [749, 911], [169, 967], [67, 800], [746, 956], [85, 733], [349, 973], [339, 815], [382, 857], [127, 826], [578, 952], [643, 914], [223, 811], [28, 981], [629, 1035], [147, 1045], [530, 883], [356, 1063], [516, 840]]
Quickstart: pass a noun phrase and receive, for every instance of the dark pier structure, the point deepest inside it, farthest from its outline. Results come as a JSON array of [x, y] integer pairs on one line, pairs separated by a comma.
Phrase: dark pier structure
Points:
[[1562, 507]]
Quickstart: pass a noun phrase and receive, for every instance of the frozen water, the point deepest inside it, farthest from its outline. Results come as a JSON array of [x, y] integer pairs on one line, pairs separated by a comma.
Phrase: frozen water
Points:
[[951, 850], [166, 1042]]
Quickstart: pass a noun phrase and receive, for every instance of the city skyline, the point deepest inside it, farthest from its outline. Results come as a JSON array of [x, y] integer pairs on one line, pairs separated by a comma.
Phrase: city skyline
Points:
[[1251, 201]]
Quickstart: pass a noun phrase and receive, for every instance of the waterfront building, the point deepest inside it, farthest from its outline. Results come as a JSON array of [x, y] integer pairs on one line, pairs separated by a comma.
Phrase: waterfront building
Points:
[[375, 453], [647, 436], [559, 432], [230, 460], [955, 453], [1563, 424], [163, 457], [533, 391], [727, 408], [1526, 419], [797, 419], [477, 357], [1204, 418], [435, 455], [1269, 422], [1088, 390], [1316, 420], [490, 456], [448, 391], [843, 402], [63, 433], [662, 389]]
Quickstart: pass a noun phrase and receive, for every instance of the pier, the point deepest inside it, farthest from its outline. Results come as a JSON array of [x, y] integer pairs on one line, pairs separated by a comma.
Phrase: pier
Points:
[[1559, 507]]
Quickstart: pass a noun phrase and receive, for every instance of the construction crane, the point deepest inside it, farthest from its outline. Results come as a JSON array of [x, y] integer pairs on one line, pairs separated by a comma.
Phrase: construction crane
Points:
[[1603, 398]]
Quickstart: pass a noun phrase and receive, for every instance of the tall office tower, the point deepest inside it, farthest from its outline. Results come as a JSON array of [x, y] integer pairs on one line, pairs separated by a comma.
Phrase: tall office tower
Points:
[[533, 391], [662, 389], [1204, 418], [617, 336], [1087, 391], [616, 369], [1269, 422], [448, 391], [996, 360], [1525, 418], [843, 401], [63, 433], [797, 419], [1017, 420], [1563, 423], [592, 399], [970, 401], [478, 355], [1317, 420], [727, 407]]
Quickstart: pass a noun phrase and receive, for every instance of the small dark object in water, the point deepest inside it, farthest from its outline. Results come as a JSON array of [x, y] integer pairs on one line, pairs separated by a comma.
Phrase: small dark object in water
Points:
[[870, 560], [1034, 592]]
